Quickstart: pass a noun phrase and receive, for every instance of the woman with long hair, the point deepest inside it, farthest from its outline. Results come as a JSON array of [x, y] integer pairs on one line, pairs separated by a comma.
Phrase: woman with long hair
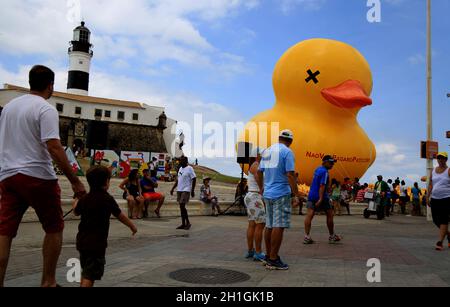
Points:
[[133, 195]]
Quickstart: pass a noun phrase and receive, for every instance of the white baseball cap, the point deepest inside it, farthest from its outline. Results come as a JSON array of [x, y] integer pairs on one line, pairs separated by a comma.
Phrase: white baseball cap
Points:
[[287, 134]]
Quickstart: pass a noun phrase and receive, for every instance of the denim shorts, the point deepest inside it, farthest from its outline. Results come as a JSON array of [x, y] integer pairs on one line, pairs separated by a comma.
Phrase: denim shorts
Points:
[[278, 212]]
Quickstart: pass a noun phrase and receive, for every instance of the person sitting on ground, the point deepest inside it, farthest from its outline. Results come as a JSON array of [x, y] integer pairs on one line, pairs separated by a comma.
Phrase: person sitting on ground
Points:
[[148, 186], [207, 197], [95, 210], [132, 193], [241, 190]]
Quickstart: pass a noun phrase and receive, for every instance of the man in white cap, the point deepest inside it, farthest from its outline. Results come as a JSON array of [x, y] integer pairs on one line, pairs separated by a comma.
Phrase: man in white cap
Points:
[[277, 175]]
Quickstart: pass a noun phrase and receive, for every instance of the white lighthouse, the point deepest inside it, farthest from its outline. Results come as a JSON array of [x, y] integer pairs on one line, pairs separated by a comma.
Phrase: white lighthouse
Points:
[[80, 55]]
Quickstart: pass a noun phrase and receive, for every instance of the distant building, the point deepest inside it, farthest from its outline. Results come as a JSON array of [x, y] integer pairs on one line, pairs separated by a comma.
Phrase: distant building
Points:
[[101, 123]]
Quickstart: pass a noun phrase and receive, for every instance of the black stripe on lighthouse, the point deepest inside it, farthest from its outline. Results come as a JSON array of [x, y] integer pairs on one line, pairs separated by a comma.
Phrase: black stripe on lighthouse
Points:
[[78, 80]]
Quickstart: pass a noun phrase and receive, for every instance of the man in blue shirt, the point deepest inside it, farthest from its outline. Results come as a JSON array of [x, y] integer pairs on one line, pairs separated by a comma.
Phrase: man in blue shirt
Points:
[[277, 175], [319, 200]]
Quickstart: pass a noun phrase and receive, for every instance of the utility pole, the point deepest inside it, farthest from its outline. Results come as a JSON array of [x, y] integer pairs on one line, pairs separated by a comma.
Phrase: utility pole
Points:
[[429, 101]]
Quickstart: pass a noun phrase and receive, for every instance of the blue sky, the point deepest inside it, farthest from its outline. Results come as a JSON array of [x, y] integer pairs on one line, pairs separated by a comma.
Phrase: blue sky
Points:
[[217, 58]]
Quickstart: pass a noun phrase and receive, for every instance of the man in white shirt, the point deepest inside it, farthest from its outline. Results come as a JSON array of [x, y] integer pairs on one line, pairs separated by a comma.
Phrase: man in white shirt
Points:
[[186, 182], [29, 140], [152, 168]]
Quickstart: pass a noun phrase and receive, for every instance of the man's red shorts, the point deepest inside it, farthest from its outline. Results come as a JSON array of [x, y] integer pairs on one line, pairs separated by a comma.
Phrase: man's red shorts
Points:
[[152, 196], [19, 192]]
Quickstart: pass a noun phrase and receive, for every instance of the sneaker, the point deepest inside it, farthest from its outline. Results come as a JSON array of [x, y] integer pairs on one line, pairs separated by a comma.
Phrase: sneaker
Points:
[[277, 265], [188, 226], [182, 227], [439, 246], [335, 239], [250, 254], [308, 241], [265, 260], [260, 257]]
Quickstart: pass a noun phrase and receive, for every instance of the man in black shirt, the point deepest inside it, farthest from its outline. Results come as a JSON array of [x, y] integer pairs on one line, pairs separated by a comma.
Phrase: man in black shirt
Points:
[[96, 209]]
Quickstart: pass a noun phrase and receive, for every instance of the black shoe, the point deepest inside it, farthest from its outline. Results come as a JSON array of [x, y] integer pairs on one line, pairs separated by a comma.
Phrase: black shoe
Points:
[[182, 227], [277, 265], [188, 227]]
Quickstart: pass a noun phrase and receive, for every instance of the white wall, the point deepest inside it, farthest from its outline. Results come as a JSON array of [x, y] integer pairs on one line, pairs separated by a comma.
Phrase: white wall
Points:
[[147, 117]]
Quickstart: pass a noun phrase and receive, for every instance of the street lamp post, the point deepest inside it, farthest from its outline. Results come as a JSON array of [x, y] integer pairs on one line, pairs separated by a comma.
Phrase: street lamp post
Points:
[[429, 101]]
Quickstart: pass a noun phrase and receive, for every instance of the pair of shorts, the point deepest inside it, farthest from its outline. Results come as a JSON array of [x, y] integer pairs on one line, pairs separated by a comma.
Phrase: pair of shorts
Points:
[[440, 209], [325, 206], [183, 197], [208, 201], [278, 212], [92, 265], [153, 196], [255, 208], [336, 198], [19, 192]]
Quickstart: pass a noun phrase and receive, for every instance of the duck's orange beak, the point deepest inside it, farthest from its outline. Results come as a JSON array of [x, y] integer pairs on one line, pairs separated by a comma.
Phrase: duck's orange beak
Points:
[[349, 95]]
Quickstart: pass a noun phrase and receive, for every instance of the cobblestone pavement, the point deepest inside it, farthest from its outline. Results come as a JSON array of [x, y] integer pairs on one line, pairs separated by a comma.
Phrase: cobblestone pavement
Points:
[[404, 246]]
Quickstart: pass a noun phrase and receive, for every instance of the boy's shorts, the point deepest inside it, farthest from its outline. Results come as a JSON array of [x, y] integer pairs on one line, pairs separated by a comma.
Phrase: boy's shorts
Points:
[[93, 266], [278, 212]]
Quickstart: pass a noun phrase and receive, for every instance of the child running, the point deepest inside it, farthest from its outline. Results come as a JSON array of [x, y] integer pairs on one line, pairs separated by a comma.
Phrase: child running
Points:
[[95, 209]]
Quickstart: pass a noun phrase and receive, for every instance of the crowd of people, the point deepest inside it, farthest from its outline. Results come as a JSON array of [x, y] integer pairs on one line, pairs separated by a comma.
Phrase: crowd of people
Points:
[[27, 157]]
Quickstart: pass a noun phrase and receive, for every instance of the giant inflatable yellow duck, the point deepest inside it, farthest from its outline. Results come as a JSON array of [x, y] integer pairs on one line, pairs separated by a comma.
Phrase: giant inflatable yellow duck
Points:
[[320, 87]]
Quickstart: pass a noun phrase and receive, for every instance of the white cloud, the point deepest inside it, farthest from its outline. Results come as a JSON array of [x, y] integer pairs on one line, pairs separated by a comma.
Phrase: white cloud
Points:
[[414, 177], [395, 160], [287, 6], [417, 59], [387, 149], [153, 31]]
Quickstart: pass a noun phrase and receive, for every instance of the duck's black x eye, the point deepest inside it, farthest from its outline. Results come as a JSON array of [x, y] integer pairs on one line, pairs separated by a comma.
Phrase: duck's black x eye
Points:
[[312, 76]]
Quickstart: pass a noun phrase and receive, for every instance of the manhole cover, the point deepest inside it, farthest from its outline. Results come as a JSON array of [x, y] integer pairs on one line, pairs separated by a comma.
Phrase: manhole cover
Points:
[[209, 276]]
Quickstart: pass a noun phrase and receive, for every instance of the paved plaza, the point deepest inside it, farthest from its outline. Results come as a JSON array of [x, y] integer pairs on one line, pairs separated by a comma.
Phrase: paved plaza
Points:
[[403, 244]]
